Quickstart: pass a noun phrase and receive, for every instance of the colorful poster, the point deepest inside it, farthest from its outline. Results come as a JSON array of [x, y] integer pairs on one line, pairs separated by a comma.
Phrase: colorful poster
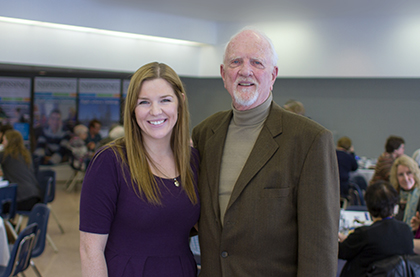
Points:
[[55, 94], [100, 99], [126, 83], [15, 103]]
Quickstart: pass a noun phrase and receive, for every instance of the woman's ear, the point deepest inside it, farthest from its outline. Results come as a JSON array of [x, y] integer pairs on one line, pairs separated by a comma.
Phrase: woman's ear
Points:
[[183, 96]]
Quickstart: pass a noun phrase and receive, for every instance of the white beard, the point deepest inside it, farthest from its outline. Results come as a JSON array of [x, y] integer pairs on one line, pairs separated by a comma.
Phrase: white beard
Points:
[[245, 99]]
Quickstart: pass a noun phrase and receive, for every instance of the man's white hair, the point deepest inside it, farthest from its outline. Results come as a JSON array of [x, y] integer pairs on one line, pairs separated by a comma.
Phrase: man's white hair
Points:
[[274, 56]]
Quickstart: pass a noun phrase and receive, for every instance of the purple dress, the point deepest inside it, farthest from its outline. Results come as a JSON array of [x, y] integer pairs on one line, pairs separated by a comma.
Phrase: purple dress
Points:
[[144, 239]]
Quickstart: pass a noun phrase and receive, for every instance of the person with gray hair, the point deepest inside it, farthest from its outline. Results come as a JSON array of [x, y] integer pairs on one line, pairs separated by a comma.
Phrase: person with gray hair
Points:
[[268, 179]]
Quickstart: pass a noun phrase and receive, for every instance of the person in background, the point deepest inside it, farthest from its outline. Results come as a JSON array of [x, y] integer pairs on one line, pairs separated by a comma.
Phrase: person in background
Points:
[[77, 145], [416, 156], [94, 137], [52, 143], [346, 163], [16, 164], [3, 129], [294, 107], [268, 182], [405, 177], [386, 236], [139, 199], [116, 131], [394, 147]]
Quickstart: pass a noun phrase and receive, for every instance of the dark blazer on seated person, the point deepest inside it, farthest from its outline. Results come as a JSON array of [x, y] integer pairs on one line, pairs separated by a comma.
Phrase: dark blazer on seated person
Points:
[[368, 244]]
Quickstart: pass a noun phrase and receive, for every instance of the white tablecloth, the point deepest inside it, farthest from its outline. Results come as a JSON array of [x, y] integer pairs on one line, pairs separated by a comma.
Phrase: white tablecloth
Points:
[[353, 219], [365, 173], [4, 246]]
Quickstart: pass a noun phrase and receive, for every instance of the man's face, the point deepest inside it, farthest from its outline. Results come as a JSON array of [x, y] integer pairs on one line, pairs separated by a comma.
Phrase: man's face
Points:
[[400, 151], [95, 129], [54, 122], [248, 71]]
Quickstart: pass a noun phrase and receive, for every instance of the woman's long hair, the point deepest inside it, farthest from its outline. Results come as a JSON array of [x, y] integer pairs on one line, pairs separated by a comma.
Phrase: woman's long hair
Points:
[[15, 147], [142, 178]]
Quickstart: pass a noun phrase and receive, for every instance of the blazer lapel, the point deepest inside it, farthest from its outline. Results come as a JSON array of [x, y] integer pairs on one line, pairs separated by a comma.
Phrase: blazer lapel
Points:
[[263, 150], [214, 151]]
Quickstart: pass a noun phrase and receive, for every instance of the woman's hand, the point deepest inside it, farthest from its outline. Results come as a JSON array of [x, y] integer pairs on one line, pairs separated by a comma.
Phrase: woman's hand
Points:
[[415, 221], [341, 237]]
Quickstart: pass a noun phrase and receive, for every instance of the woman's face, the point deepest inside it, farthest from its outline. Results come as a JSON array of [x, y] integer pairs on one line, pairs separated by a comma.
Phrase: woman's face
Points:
[[4, 141], [157, 109], [405, 177]]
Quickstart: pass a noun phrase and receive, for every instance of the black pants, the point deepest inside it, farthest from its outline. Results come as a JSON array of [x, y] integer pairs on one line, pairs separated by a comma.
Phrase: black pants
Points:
[[27, 204]]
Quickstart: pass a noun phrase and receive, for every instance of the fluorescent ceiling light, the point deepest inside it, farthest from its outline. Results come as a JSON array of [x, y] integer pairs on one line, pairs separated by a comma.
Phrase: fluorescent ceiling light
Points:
[[98, 31]]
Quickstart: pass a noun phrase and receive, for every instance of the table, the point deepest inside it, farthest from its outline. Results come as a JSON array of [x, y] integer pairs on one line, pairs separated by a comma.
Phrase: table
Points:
[[4, 245], [350, 220], [364, 172]]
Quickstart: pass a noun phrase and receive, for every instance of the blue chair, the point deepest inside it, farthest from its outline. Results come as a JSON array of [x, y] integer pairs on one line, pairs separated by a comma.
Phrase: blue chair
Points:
[[39, 215], [47, 186], [8, 199], [21, 252], [46, 182], [355, 195]]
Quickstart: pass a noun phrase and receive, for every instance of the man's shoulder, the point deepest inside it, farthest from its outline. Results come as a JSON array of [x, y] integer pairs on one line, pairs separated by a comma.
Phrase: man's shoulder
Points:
[[213, 120], [293, 122]]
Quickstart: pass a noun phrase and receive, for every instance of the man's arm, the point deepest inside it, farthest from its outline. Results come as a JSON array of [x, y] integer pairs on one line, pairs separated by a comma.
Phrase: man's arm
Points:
[[318, 209]]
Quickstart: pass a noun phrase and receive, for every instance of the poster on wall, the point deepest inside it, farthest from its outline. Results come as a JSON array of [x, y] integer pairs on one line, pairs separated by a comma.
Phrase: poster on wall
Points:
[[55, 95], [100, 99], [126, 83], [15, 103]]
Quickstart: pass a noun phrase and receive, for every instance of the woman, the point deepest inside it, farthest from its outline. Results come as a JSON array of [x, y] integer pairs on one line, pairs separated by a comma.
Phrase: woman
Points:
[[386, 236], [405, 177], [394, 148], [346, 163], [139, 199], [16, 163]]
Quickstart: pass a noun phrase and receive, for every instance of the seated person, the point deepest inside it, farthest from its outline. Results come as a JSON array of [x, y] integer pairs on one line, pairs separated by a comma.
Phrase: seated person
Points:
[[94, 137], [3, 129], [16, 164], [78, 148], [394, 147], [51, 146], [346, 163], [294, 107], [116, 131], [416, 156], [405, 177], [386, 236]]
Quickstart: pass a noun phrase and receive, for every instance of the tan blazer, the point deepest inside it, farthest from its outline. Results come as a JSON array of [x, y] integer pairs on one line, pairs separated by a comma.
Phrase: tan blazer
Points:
[[283, 214]]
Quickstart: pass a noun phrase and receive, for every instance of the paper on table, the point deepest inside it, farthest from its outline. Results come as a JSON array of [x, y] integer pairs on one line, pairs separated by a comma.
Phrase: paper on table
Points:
[[4, 183]]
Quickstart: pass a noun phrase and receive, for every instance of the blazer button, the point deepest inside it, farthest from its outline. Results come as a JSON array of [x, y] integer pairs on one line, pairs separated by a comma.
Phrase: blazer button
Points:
[[225, 254]]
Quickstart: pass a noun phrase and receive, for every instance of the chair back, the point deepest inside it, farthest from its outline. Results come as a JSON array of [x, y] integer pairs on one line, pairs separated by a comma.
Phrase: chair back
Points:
[[21, 251], [39, 215], [36, 161], [46, 181], [355, 195], [8, 198]]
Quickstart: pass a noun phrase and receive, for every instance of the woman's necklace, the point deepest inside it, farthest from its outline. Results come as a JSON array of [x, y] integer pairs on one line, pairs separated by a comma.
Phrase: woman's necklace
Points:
[[176, 183], [160, 170]]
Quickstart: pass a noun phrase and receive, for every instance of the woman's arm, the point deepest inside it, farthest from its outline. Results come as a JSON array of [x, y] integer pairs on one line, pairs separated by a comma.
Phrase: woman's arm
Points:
[[92, 248], [416, 246]]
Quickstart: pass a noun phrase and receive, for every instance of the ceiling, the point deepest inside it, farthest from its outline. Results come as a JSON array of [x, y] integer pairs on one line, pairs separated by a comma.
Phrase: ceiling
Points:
[[271, 10], [245, 12]]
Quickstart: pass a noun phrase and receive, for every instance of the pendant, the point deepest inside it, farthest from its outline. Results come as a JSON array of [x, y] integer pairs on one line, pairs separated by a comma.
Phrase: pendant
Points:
[[176, 183]]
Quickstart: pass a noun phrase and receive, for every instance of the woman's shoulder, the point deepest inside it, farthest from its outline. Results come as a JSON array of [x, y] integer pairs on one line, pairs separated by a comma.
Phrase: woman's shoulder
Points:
[[109, 153]]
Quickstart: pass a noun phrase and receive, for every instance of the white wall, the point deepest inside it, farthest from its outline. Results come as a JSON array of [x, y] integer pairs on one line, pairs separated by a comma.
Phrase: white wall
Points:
[[332, 47]]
